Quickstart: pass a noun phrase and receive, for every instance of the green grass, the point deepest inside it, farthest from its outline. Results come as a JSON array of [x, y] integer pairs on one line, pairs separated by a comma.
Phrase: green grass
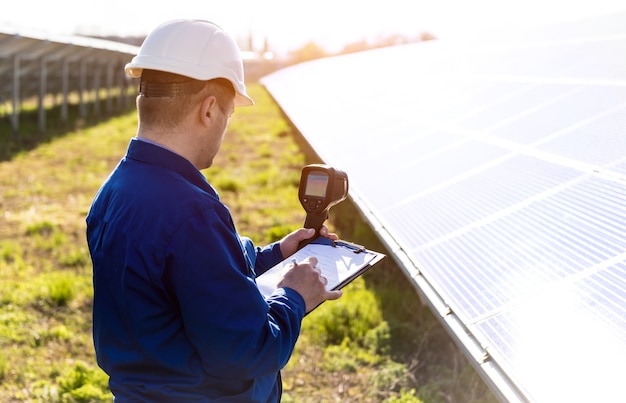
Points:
[[377, 343]]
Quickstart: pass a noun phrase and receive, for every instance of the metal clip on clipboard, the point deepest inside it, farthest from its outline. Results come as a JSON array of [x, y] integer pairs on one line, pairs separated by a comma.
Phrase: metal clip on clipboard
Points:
[[352, 246]]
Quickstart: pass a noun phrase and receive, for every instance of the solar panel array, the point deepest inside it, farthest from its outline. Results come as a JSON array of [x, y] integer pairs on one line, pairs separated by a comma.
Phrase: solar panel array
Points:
[[31, 49], [496, 174], [35, 65]]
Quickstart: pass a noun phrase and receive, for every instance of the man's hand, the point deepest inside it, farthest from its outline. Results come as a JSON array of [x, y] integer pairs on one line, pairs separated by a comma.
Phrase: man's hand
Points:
[[307, 280], [289, 244]]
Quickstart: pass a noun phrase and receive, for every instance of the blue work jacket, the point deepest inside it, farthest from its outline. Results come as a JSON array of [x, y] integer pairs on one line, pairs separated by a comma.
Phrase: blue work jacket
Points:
[[177, 315]]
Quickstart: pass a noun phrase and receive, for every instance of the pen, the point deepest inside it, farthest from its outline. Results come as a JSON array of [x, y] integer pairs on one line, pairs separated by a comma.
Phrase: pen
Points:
[[295, 263]]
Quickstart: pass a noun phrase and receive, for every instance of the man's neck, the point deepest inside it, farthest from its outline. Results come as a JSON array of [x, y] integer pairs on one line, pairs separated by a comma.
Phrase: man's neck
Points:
[[165, 141]]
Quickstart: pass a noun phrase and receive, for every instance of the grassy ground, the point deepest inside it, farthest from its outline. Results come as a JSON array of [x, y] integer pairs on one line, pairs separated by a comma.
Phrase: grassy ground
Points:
[[377, 343]]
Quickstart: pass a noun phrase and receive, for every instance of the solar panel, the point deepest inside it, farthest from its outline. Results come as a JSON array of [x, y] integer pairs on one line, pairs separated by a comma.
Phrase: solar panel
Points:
[[496, 173], [33, 65]]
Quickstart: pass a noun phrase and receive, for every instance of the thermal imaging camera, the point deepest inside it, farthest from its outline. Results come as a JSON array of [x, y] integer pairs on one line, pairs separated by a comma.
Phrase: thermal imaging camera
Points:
[[321, 187]]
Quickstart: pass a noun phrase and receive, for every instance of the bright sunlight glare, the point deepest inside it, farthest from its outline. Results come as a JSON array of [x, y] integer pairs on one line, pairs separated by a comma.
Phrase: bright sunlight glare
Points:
[[288, 25]]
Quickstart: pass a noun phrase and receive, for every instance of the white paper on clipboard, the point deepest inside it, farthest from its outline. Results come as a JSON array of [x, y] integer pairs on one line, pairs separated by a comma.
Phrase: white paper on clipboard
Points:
[[340, 262]]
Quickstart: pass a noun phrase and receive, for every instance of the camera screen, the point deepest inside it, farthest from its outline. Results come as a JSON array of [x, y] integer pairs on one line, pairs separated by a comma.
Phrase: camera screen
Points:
[[316, 184]]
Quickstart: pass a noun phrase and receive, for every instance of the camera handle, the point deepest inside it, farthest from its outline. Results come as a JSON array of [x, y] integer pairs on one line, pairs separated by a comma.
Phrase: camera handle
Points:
[[315, 221]]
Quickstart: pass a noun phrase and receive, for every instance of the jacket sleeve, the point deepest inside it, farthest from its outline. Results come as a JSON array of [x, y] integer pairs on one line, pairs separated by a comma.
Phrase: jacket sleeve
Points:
[[236, 332], [262, 258]]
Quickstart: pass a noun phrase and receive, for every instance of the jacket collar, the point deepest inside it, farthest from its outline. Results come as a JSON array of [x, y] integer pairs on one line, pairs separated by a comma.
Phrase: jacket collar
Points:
[[154, 154]]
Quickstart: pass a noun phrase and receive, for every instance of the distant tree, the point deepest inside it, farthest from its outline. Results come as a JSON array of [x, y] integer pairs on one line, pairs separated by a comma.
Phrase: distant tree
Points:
[[392, 40], [356, 47], [426, 36], [310, 51]]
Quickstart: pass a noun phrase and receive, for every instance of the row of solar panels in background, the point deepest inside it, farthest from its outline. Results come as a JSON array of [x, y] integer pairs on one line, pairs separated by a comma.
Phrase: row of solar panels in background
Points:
[[498, 171], [35, 66]]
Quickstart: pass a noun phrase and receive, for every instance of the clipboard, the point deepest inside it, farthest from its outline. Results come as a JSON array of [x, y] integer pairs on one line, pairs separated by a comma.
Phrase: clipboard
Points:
[[339, 261]]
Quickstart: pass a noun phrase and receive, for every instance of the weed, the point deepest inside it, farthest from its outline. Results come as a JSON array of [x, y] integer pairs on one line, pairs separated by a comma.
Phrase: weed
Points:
[[58, 333], [392, 376], [43, 391], [60, 288], [83, 383], [16, 330], [351, 317], [348, 356], [264, 151], [76, 258], [10, 251], [263, 178], [405, 396], [3, 366], [227, 184], [277, 232], [43, 228], [378, 339]]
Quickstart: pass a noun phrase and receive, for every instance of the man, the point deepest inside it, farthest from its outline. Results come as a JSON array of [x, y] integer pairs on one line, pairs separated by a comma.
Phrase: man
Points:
[[177, 315]]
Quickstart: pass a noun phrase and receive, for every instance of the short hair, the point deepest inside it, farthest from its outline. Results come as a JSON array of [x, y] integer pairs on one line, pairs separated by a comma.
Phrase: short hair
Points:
[[165, 98]]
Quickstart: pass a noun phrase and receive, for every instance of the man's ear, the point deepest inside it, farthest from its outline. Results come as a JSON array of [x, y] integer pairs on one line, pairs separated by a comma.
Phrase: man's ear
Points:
[[208, 110]]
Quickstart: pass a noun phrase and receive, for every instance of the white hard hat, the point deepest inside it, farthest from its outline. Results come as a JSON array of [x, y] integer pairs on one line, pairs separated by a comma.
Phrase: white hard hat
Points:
[[193, 48]]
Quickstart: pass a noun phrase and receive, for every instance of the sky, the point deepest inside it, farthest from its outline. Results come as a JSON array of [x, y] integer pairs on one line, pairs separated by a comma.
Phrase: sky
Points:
[[289, 24]]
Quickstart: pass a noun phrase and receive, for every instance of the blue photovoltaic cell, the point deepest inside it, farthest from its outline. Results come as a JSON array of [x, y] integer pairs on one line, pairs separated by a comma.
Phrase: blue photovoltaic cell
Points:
[[480, 196], [611, 65], [572, 109], [536, 246], [577, 330], [417, 147], [607, 289], [441, 167], [497, 176], [528, 97], [601, 141]]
